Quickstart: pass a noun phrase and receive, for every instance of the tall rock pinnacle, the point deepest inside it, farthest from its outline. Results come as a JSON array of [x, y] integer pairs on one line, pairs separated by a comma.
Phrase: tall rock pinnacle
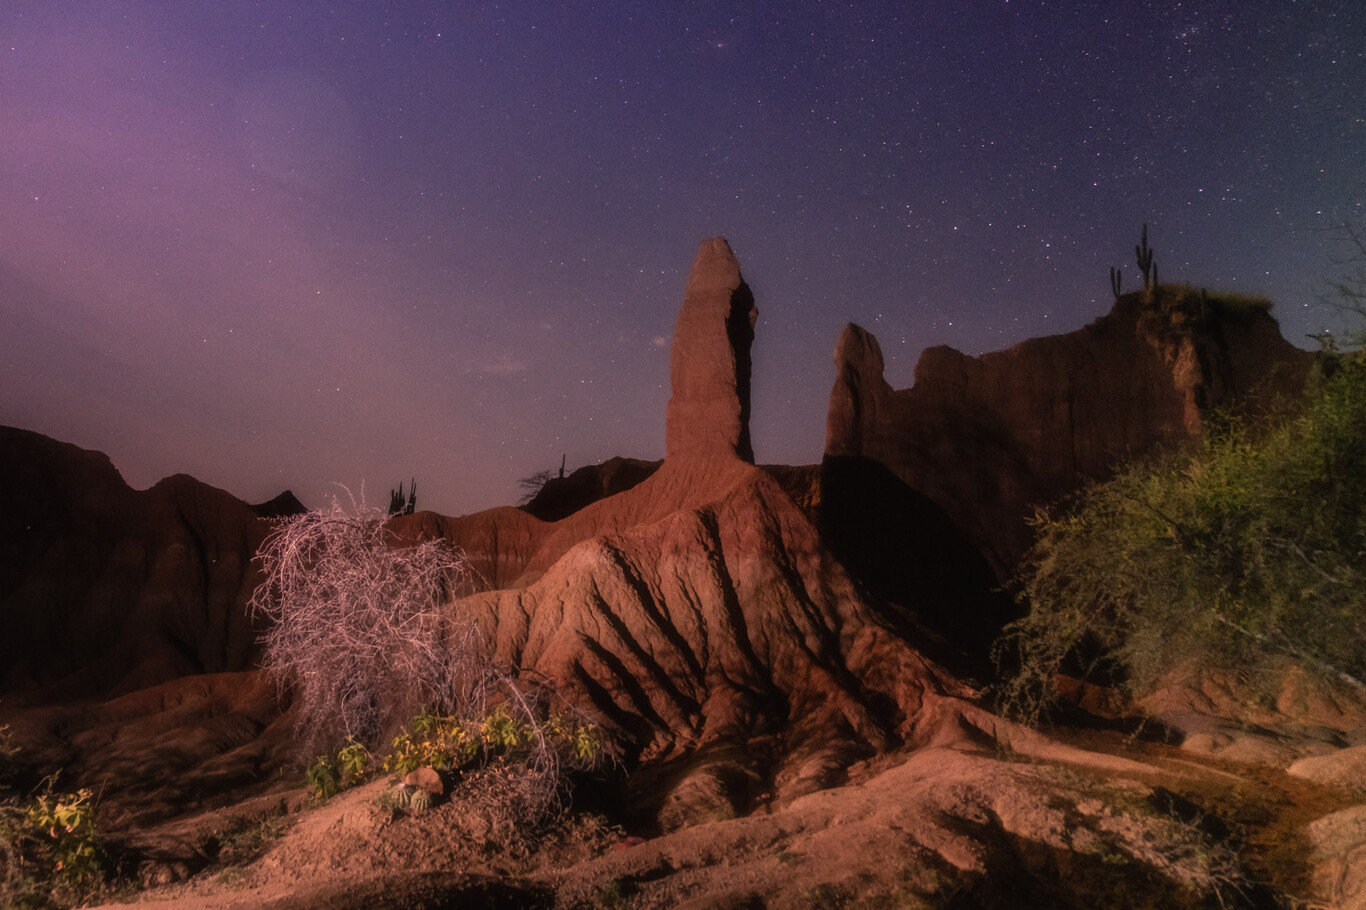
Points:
[[709, 363]]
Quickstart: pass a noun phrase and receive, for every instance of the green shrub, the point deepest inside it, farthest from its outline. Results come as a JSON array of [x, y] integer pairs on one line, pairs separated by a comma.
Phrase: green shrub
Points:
[[556, 743], [1240, 555], [50, 849]]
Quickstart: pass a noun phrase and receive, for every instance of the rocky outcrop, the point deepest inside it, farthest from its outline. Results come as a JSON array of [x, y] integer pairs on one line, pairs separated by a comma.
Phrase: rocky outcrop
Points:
[[560, 497], [725, 631], [709, 363], [701, 615], [285, 505], [104, 589], [990, 438]]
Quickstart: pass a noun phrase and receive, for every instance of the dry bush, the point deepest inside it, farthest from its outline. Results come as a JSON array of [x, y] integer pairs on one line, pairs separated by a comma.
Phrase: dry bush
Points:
[[357, 625], [366, 632]]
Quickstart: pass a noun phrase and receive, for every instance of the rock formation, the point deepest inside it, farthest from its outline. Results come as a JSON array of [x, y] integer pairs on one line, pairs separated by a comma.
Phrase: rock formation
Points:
[[104, 589], [561, 497], [989, 438], [704, 614], [700, 614], [709, 364]]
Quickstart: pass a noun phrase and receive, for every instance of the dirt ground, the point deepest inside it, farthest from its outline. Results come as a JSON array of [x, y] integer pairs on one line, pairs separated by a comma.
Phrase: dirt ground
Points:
[[1090, 819]]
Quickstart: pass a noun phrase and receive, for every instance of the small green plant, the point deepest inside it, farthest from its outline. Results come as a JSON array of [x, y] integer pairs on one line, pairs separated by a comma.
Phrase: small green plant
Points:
[[455, 744], [827, 896], [354, 762], [50, 849], [611, 894], [323, 777], [68, 822]]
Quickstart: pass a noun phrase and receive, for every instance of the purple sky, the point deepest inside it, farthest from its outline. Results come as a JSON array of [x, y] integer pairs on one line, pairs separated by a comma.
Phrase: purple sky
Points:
[[286, 244]]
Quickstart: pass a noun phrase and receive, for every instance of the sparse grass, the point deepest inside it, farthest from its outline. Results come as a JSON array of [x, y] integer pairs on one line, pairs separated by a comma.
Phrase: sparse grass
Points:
[[827, 896], [247, 838], [611, 894]]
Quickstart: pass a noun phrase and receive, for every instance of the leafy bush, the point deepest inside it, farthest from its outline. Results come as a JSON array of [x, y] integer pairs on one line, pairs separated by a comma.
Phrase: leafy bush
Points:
[[1243, 554], [1180, 304], [50, 851], [548, 745]]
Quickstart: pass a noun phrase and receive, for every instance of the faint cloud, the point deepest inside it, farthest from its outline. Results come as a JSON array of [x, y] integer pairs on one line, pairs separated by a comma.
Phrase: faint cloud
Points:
[[500, 365], [659, 341]]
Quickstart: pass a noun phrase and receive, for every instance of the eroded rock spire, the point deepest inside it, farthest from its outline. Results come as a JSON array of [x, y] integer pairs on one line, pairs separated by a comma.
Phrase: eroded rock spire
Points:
[[709, 363]]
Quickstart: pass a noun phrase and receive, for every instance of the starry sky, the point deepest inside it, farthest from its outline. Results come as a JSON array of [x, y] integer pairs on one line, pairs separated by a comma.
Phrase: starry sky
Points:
[[293, 244]]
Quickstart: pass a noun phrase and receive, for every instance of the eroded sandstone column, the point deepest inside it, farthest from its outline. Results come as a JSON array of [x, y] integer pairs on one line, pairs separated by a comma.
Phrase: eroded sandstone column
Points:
[[709, 363]]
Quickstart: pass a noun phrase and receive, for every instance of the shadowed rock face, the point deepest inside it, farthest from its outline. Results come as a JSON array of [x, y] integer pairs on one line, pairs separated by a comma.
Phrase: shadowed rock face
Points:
[[561, 497], [107, 589], [989, 438]]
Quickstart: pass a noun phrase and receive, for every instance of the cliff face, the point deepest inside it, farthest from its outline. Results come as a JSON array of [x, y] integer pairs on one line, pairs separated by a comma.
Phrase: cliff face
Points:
[[107, 589], [989, 438]]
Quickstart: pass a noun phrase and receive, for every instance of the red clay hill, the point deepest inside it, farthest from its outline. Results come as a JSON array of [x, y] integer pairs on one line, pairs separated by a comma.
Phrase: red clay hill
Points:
[[713, 623]]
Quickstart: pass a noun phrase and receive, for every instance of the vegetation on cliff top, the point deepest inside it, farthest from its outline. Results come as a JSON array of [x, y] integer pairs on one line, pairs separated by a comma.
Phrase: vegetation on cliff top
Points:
[[1244, 554]]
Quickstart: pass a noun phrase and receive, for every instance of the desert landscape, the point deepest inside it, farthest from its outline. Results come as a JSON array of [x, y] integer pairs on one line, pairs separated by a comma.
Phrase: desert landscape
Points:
[[699, 682]]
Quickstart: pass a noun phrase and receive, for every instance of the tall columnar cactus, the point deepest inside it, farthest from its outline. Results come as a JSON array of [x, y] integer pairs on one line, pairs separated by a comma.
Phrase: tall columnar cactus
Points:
[[1116, 279], [401, 505], [1145, 259]]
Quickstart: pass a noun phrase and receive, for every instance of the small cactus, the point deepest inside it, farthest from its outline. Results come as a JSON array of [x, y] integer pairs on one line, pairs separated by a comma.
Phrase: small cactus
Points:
[[1116, 280], [1145, 259]]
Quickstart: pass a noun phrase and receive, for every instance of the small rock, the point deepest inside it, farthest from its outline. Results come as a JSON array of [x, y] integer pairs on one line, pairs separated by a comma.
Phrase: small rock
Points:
[[426, 779]]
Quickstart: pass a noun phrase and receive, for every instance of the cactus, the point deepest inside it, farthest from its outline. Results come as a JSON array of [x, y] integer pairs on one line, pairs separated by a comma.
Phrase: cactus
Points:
[[1116, 279], [1145, 258], [401, 505]]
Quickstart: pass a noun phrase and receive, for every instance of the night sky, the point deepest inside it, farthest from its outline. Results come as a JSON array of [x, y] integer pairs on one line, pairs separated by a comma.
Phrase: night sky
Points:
[[292, 244]]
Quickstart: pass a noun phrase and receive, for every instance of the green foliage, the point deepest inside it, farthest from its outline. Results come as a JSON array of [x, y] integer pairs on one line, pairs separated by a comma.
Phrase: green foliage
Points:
[[1183, 304], [1241, 555], [354, 761], [455, 744], [50, 850], [323, 777]]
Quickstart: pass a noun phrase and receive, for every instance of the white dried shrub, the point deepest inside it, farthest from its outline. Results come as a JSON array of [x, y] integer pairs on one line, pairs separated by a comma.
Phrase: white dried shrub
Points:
[[358, 628], [365, 631]]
